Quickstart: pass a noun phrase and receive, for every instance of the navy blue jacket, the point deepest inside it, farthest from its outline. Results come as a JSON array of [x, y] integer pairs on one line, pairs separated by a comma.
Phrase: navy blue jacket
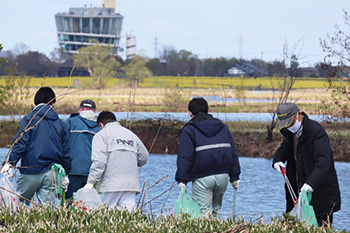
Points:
[[81, 132], [206, 148], [47, 143]]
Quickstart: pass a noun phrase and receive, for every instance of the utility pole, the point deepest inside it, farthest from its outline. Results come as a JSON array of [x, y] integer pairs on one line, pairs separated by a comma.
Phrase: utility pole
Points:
[[240, 45], [156, 47]]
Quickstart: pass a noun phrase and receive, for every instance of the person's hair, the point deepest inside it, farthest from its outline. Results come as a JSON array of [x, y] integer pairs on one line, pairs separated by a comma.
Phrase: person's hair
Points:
[[106, 116], [44, 95], [198, 104]]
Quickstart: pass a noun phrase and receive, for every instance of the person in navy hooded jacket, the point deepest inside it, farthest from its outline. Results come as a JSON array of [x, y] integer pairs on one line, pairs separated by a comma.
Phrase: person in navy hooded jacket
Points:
[[82, 127], [39, 148], [207, 156]]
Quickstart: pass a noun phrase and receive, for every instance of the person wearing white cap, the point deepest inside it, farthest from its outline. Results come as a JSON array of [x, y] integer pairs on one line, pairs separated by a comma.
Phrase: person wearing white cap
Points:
[[310, 165], [82, 127]]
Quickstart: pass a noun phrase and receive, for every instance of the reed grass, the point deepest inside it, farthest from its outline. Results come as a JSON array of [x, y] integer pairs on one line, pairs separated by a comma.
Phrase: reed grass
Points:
[[61, 219]]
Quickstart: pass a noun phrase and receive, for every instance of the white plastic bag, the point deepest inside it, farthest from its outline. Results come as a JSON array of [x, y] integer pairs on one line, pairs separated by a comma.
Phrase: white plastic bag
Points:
[[86, 198], [298, 211], [8, 199], [303, 211]]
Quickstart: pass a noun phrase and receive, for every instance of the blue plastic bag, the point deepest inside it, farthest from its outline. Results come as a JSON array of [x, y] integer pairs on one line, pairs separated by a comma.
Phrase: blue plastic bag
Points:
[[186, 205]]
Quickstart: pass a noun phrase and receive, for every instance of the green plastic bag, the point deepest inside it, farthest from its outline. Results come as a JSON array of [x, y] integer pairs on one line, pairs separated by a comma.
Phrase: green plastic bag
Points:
[[60, 173], [303, 211], [185, 205]]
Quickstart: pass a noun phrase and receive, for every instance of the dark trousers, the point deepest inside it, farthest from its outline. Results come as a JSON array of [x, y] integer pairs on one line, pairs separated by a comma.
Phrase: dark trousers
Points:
[[321, 220], [75, 182]]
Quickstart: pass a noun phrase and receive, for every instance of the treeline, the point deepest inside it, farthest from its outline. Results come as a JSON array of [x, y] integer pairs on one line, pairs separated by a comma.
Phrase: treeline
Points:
[[171, 62]]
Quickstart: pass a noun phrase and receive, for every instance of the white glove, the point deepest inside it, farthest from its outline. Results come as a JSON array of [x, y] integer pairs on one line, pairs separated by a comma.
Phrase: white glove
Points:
[[277, 166], [235, 184], [307, 188], [89, 186], [64, 183], [7, 171], [181, 186]]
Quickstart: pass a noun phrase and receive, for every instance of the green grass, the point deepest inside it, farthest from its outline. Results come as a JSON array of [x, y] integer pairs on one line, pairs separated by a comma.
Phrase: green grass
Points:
[[61, 219]]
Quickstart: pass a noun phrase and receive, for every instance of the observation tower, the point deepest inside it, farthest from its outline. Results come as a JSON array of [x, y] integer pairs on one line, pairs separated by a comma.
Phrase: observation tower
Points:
[[76, 28]]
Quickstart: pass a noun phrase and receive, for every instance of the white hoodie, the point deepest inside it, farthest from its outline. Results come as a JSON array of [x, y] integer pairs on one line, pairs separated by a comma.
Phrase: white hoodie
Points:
[[116, 155]]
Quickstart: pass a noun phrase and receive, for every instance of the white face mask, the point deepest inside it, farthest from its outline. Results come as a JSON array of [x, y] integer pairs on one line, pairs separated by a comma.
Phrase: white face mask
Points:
[[295, 128]]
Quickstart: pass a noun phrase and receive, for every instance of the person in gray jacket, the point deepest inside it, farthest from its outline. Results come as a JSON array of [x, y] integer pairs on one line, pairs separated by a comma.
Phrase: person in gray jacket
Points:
[[116, 154]]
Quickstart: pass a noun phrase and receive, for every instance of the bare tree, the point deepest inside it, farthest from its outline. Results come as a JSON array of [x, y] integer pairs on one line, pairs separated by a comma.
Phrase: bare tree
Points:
[[289, 69], [2, 60], [337, 65], [20, 49]]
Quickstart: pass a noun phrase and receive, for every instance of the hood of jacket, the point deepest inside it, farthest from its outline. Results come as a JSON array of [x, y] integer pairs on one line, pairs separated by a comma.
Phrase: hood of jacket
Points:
[[206, 124], [89, 123], [46, 111]]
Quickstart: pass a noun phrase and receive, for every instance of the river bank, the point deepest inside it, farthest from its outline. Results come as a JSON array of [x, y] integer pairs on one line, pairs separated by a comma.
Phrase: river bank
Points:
[[61, 219], [162, 137]]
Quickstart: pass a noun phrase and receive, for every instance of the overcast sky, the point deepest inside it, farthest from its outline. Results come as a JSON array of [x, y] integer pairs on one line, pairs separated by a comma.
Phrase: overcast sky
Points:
[[222, 28]]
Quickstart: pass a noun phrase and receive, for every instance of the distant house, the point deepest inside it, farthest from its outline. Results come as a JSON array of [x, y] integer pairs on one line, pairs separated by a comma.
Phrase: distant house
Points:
[[247, 69], [235, 71], [66, 67], [330, 71], [310, 72]]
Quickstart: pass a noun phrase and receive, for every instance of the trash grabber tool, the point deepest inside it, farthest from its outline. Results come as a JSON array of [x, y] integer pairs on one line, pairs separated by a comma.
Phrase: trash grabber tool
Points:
[[289, 186], [63, 197], [234, 202]]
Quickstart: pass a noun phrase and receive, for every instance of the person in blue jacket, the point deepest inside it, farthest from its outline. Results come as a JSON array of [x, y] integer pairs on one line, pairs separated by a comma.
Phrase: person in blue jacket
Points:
[[82, 127], [38, 148], [207, 156]]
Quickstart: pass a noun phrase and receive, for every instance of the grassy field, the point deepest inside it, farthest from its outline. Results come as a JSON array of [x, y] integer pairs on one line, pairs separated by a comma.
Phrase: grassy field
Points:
[[188, 82], [118, 95], [230, 82]]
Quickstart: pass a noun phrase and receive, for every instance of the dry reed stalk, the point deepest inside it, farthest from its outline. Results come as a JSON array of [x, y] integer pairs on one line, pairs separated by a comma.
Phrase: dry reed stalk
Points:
[[239, 228], [20, 196], [142, 191], [144, 195], [165, 177], [143, 186], [127, 114], [133, 104], [166, 199], [155, 138], [157, 196], [3, 199]]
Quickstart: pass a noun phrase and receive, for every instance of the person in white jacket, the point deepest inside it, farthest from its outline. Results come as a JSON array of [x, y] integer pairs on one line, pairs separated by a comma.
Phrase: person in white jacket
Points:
[[116, 154]]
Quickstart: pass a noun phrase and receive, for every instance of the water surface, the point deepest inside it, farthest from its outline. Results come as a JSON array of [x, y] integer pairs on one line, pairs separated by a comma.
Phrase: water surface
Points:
[[261, 190], [184, 116]]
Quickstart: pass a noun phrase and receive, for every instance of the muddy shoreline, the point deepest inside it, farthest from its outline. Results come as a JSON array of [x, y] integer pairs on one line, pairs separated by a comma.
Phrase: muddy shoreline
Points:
[[162, 137]]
